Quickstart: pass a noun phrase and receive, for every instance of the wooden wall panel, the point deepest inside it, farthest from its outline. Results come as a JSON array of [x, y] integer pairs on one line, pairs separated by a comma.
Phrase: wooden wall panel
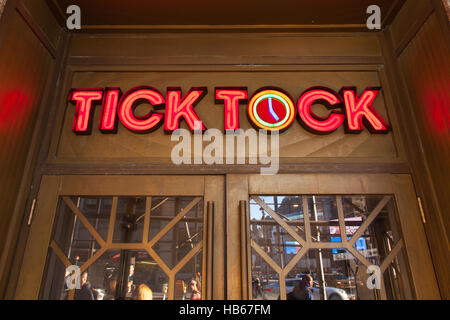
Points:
[[222, 48], [425, 65], [26, 64], [45, 20], [417, 50], [409, 15]]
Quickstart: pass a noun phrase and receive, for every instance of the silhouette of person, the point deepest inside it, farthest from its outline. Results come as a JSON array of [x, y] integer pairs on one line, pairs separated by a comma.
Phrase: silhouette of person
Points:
[[85, 292], [302, 290], [195, 293], [257, 288]]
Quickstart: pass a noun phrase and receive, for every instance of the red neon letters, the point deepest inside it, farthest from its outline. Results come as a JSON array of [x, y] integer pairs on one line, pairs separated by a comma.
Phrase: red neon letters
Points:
[[231, 97], [108, 117], [267, 109], [359, 110], [177, 107], [129, 102], [84, 110], [311, 121]]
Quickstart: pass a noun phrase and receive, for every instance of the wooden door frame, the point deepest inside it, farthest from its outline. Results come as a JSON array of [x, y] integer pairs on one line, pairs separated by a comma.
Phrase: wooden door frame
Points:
[[54, 187], [400, 186]]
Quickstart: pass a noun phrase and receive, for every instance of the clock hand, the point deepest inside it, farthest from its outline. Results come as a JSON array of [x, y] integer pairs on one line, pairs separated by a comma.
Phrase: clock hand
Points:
[[274, 115]]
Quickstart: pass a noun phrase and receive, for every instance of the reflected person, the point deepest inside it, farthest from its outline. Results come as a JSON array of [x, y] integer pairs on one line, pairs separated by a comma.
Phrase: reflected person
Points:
[[85, 292], [302, 290]]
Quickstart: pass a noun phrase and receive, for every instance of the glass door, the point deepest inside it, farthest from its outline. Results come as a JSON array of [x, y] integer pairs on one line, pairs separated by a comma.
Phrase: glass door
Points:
[[332, 237], [108, 238]]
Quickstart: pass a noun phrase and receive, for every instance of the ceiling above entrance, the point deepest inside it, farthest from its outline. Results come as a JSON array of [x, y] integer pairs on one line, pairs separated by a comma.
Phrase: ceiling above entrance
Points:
[[231, 14]]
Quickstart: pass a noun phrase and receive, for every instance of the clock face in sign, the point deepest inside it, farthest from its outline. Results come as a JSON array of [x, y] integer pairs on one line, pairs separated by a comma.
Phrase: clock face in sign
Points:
[[271, 110]]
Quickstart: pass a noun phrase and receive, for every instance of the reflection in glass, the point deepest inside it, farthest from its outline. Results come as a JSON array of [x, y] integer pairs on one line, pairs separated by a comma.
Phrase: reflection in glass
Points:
[[127, 268], [339, 269], [184, 235], [264, 279], [269, 235], [188, 281]]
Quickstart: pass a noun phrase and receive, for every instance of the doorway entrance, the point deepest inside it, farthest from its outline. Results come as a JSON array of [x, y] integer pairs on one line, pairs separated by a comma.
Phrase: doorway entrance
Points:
[[232, 237], [129, 237], [346, 236]]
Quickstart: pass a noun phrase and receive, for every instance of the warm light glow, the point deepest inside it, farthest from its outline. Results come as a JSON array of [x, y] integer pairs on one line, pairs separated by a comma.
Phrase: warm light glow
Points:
[[177, 108], [84, 110], [269, 109], [108, 117], [231, 98], [260, 116], [361, 110], [311, 121], [128, 103]]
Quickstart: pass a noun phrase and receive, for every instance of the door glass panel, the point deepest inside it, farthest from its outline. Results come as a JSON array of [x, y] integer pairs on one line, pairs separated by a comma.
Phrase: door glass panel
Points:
[[278, 242], [188, 281], [265, 282], [124, 248], [184, 235], [129, 224], [324, 218], [369, 264], [97, 211]]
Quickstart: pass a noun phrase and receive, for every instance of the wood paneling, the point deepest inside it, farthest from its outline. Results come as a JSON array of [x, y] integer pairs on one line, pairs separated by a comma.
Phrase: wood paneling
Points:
[[417, 51], [113, 13], [426, 68], [44, 19], [26, 65], [410, 16], [226, 48]]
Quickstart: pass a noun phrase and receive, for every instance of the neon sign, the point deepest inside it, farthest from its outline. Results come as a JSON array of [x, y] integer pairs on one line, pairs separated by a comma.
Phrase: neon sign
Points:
[[268, 108], [271, 110]]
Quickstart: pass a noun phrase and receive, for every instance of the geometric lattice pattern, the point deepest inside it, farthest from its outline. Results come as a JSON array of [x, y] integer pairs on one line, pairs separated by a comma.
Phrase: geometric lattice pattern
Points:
[[145, 244], [306, 242]]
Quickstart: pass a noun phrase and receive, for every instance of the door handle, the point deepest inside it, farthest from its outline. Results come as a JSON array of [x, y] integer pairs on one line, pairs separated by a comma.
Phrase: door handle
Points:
[[245, 250], [209, 249]]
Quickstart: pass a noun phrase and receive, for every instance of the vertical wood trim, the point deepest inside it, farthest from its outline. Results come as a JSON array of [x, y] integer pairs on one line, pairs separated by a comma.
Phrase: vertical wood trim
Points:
[[215, 191], [33, 265], [148, 208], [244, 258], [210, 251], [112, 220], [237, 190], [283, 295], [306, 219], [415, 240], [249, 251], [341, 217]]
